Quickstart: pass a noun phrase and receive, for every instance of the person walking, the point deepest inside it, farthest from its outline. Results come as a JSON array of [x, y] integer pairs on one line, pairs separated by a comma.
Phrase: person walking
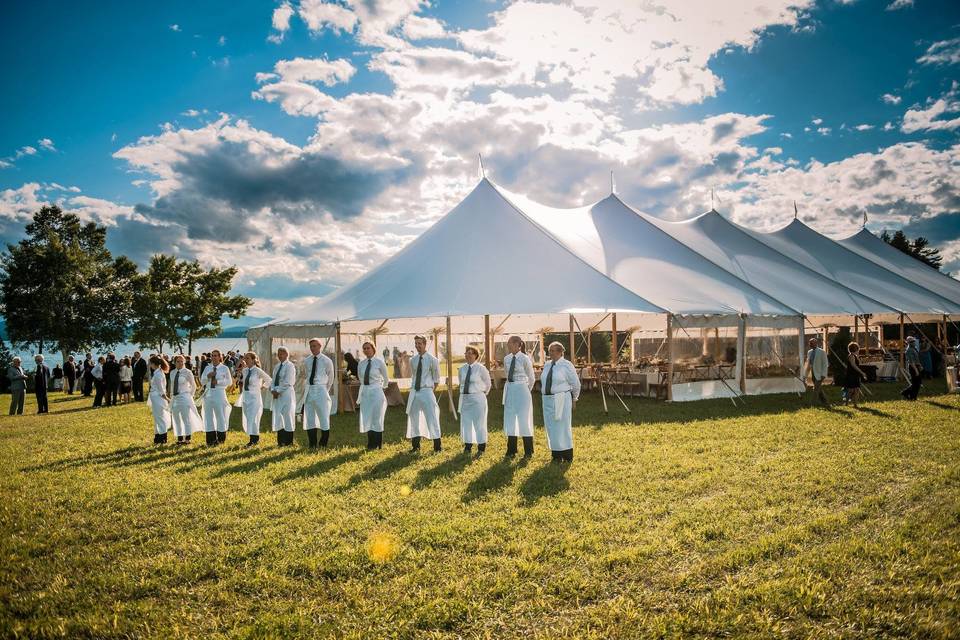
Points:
[[40, 378], [911, 359], [855, 375], [18, 386], [816, 363]]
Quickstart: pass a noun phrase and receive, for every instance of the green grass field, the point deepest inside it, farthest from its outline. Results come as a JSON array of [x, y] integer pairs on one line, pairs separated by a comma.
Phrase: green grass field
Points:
[[696, 519]]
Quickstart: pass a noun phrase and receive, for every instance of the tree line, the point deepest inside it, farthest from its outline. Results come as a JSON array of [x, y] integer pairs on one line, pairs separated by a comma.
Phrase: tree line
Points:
[[62, 290]]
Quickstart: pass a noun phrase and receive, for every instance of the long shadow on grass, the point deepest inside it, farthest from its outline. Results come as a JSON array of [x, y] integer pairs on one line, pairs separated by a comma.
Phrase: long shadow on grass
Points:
[[382, 469], [211, 456], [95, 458], [877, 412], [253, 465], [548, 480], [320, 466], [446, 469], [942, 405], [497, 476]]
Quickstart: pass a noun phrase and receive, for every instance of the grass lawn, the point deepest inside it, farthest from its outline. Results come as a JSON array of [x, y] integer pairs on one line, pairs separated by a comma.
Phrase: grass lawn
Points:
[[695, 519]]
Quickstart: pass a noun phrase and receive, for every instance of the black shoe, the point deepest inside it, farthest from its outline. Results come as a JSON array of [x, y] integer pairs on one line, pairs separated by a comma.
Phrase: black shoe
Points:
[[467, 448], [415, 444], [481, 448], [436, 445], [324, 438]]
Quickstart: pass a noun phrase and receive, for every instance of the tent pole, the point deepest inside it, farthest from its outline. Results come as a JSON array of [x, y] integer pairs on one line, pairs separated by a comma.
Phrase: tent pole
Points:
[[589, 350], [573, 346], [453, 409], [903, 355], [615, 351], [801, 339], [856, 329], [338, 359], [742, 352], [866, 331], [670, 357], [486, 341], [716, 344]]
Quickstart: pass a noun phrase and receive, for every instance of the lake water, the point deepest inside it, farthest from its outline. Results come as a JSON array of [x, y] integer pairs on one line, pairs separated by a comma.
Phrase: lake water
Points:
[[126, 349]]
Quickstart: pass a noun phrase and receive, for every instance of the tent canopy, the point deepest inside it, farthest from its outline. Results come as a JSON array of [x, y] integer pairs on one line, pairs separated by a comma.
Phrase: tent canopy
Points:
[[739, 253], [830, 259], [639, 255], [876, 250]]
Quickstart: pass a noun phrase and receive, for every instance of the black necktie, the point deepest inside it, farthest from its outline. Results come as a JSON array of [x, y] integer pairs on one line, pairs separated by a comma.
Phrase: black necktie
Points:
[[213, 382], [176, 382], [549, 387], [276, 376], [416, 385], [246, 380], [313, 369], [466, 381], [366, 373], [513, 364]]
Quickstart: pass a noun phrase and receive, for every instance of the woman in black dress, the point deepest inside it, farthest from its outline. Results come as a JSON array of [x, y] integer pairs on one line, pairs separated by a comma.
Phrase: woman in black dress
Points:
[[855, 374]]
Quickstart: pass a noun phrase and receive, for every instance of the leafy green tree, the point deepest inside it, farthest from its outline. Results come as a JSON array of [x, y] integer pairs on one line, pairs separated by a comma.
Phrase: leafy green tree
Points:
[[61, 288], [203, 300], [918, 248], [156, 300]]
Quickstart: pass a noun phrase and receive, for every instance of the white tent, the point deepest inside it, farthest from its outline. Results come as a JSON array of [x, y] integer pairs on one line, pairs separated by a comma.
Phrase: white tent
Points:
[[834, 261], [728, 246], [876, 250]]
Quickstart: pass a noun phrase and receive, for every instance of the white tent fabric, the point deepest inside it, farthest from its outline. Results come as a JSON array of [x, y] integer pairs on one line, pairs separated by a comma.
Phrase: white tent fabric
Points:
[[739, 253], [639, 255], [873, 248], [484, 257], [830, 259]]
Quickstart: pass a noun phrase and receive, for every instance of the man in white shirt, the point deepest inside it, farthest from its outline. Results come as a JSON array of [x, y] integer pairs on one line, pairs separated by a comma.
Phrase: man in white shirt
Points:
[[423, 412], [216, 408], [318, 369], [816, 363], [517, 399], [560, 388], [284, 398]]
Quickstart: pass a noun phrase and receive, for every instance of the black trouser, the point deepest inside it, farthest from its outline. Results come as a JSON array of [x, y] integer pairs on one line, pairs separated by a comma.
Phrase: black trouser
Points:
[[138, 389], [221, 437], [468, 447], [562, 456], [374, 440], [913, 390], [284, 438], [70, 382], [312, 437], [211, 438], [160, 438], [112, 393], [254, 439], [87, 384], [41, 399], [98, 398]]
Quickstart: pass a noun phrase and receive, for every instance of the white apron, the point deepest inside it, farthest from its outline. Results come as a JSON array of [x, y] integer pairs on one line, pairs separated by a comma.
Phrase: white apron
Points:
[[186, 418], [283, 411], [423, 414], [517, 409], [216, 410], [558, 419], [473, 418], [316, 406], [161, 413], [251, 405], [373, 407]]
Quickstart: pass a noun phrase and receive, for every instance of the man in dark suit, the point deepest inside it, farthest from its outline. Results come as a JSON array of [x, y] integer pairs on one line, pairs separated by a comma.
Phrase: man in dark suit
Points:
[[40, 378], [111, 379], [69, 375], [88, 365], [139, 373]]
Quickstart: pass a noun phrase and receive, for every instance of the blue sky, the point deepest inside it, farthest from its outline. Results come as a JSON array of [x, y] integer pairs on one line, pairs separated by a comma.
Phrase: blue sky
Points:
[[151, 118]]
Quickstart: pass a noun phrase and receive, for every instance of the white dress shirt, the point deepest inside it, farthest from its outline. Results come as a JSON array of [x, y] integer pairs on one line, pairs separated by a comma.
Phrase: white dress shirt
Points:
[[430, 373]]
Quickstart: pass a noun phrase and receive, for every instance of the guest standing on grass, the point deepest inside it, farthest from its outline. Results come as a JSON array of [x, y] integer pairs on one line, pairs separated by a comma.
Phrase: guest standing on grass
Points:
[[126, 380], [517, 399], [216, 407], [69, 375], [474, 387], [318, 369], [96, 374], [111, 379], [423, 412], [88, 365], [252, 382], [139, 366], [560, 387], [911, 359], [183, 409], [159, 400], [284, 398], [40, 377], [18, 386], [855, 375], [373, 403], [816, 363]]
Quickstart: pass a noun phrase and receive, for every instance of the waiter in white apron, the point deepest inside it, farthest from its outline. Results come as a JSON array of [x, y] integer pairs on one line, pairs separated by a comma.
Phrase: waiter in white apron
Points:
[[517, 399], [318, 369], [560, 387], [423, 412]]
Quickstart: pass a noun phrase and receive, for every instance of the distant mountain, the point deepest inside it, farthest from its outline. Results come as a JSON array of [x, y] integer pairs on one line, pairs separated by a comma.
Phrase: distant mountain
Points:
[[237, 328]]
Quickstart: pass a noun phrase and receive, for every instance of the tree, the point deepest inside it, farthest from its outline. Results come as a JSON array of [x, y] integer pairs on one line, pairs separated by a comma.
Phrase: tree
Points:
[[202, 300], [156, 298], [61, 288], [919, 248]]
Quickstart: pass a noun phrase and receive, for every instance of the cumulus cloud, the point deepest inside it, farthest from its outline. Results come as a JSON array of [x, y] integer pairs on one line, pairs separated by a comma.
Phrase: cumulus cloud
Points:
[[944, 52], [935, 117], [421, 28], [890, 98]]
